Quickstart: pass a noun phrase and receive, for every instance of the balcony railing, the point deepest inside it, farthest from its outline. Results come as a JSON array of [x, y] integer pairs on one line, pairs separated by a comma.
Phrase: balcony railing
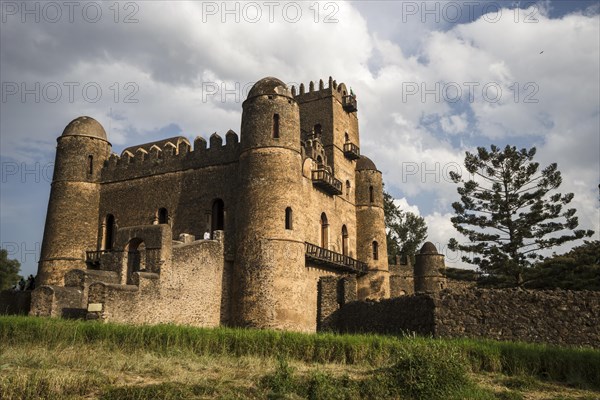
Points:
[[334, 260], [349, 103], [351, 151], [93, 257], [324, 180]]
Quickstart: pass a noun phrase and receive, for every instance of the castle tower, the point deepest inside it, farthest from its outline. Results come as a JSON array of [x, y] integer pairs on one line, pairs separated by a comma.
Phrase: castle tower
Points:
[[72, 217], [370, 226], [330, 114], [270, 251], [428, 270]]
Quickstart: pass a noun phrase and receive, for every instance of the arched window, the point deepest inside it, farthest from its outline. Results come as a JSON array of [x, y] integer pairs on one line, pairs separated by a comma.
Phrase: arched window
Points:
[[218, 215], [90, 164], [371, 195], [344, 240], [375, 250], [319, 160], [318, 130], [109, 234], [163, 216], [347, 189], [275, 126], [346, 137], [288, 218], [324, 231]]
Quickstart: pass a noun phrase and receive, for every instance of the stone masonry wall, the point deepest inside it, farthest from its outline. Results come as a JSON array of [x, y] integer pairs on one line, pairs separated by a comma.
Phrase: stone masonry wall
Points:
[[549, 316], [188, 290], [556, 317], [390, 316]]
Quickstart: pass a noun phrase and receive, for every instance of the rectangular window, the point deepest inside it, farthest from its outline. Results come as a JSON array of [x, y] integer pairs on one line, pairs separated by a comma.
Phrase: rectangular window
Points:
[[275, 126]]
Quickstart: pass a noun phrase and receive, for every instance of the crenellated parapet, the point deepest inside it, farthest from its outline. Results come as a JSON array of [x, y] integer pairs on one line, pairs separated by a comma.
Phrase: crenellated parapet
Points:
[[339, 91], [171, 155]]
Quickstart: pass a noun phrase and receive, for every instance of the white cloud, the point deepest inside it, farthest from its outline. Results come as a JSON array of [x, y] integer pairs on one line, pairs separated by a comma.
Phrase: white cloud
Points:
[[403, 205], [454, 124]]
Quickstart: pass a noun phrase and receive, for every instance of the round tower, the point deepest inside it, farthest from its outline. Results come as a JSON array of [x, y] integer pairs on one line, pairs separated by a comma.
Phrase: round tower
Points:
[[72, 217], [370, 226], [428, 270], [270, 252]]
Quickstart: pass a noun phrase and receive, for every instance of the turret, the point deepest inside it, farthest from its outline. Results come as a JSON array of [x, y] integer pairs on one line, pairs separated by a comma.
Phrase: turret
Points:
[[269, 295], [72, 217], [428, 270], [370, 225]]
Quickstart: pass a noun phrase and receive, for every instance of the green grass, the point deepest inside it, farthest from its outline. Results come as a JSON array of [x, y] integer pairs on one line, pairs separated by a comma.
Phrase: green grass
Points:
[[53, 358]]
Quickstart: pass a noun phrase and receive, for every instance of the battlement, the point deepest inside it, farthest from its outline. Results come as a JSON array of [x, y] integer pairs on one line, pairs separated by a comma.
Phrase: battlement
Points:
[[339, 91], [171, 155]]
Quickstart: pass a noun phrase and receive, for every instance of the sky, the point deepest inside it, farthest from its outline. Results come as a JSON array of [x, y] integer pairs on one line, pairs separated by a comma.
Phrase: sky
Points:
[[433, 80]]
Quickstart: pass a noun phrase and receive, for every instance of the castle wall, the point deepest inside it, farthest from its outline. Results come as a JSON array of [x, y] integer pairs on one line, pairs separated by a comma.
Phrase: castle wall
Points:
[[398, 315], [187, 291], [552, 316], [549, 316], [188, 196], [401, 280]]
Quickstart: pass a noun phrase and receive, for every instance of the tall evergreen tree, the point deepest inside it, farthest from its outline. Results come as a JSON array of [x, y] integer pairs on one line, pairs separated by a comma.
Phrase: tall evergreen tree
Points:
[[509, 212], [405, 231]]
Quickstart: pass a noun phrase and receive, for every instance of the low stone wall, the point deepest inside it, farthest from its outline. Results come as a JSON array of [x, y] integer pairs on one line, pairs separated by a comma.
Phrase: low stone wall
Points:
[[556, 317], [548, 316], [391, 316], [15, 302], [57, 301]]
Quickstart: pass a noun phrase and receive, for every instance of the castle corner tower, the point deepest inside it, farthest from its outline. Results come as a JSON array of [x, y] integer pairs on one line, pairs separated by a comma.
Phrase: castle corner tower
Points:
[[72, 218]]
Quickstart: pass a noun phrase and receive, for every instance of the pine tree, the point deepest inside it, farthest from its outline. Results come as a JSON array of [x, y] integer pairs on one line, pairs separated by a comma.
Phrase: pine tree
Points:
[[510, 212]]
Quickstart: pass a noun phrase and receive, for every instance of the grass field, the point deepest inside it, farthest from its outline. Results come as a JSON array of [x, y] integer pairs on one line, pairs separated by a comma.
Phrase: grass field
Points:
[[60, 359]]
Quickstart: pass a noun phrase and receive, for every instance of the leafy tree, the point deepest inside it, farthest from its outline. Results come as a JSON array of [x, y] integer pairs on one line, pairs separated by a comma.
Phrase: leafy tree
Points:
[[578, 269], [9, 270], [405, 231], [508, 213]]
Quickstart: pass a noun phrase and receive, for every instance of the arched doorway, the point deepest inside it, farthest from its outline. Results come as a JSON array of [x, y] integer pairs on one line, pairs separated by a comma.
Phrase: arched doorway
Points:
[[218, 216], [136, 258], [109, 232], [163, 216]]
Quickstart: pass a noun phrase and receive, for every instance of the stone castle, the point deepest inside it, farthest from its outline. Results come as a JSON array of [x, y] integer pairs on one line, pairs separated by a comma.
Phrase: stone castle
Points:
[[258, 231]]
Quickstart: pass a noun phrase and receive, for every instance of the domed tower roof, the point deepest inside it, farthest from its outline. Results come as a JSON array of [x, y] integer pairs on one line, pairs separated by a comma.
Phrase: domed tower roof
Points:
[[85, 126], [365, 163], [428, 248], [269, 86]]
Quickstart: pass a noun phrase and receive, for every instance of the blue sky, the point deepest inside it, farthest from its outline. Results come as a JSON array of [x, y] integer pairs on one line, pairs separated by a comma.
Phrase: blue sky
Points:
[[530, 67]]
